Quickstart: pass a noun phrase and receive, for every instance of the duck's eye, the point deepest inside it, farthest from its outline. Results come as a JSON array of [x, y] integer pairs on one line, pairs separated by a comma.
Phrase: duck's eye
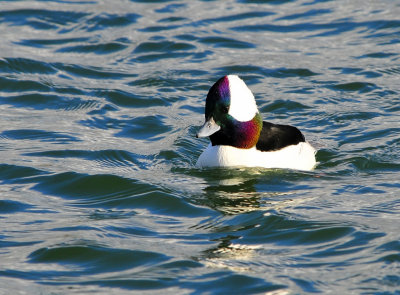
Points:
[[224, 109]]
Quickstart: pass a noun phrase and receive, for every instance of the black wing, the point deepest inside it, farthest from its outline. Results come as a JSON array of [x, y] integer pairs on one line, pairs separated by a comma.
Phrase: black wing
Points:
[[274, 137]]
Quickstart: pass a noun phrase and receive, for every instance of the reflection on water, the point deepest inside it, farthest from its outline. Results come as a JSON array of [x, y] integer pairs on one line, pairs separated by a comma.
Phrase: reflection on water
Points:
[[235, 191]]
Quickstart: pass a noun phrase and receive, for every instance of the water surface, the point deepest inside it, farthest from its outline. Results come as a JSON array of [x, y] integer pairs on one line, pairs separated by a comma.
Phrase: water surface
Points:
[[99, 105]]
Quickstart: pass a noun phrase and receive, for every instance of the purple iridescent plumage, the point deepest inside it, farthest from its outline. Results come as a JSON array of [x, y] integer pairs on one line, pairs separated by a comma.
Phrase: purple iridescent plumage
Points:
[[247, 133], [233, 132], [218, 95]]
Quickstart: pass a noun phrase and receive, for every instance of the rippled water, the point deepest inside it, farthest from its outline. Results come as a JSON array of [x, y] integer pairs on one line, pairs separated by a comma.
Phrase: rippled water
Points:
[[100, 102]]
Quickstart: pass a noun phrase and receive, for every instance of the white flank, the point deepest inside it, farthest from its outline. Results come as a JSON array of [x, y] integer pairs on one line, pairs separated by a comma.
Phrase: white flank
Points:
[[299, 157], [243, 106]]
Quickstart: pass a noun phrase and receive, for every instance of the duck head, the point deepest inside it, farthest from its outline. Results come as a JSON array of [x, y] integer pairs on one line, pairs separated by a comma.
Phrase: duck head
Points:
[[231, 115]]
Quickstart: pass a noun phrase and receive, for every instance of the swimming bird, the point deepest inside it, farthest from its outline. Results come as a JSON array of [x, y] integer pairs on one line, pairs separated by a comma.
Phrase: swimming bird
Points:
[[239, 137]]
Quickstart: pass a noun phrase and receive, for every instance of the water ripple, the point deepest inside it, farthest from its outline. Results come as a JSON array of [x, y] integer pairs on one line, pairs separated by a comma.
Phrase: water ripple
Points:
[[42, 135], [24, 65], [104, 48], [87, 258], [106, 21], [40, 19]]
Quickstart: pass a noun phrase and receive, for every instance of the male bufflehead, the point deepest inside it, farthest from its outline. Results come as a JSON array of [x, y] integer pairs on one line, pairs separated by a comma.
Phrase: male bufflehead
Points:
[[239, 137]]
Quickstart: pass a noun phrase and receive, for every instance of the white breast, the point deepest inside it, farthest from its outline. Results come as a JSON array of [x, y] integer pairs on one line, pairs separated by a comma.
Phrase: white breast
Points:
[[300, 157]]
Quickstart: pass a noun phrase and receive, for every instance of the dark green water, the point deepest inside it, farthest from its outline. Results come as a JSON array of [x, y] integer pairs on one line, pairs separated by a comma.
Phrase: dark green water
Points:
[[99, 105]]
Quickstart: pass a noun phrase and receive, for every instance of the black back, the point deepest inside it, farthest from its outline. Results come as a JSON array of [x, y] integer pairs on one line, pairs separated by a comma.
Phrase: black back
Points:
[[274, 137]]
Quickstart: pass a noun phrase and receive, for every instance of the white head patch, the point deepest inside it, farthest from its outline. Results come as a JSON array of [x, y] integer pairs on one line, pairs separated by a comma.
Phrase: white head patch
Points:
[[243, 106]]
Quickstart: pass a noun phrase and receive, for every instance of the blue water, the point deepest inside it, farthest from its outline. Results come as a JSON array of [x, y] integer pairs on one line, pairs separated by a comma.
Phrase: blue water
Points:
[[99, 105]]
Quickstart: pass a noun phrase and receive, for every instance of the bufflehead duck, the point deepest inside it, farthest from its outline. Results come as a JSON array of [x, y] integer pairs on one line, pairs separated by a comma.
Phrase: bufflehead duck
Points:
[[239, 137]]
